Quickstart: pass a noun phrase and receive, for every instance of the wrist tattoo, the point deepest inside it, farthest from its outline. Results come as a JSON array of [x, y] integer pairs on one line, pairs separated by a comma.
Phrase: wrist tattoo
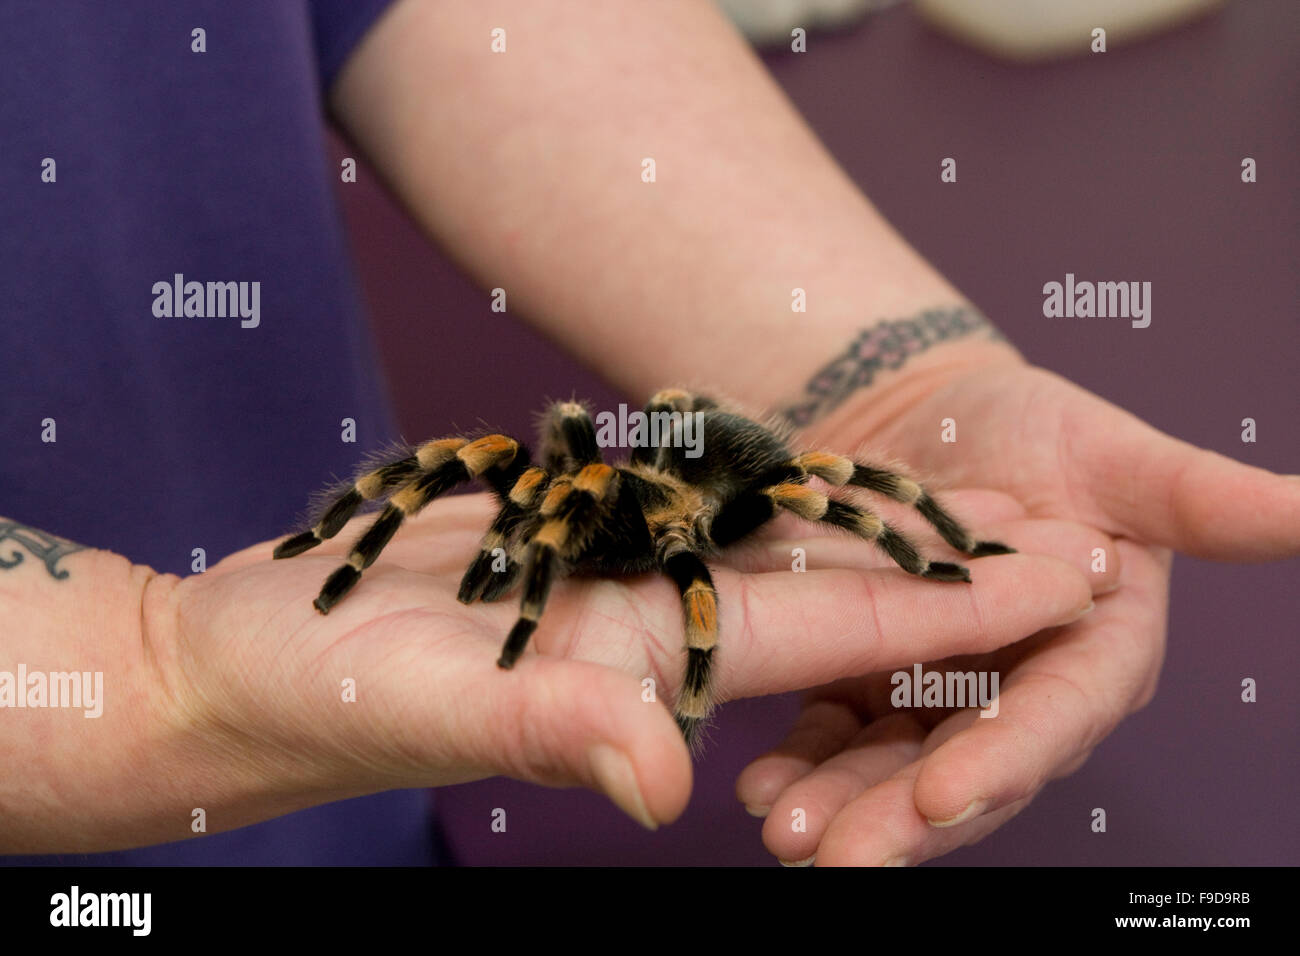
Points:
[[41, 544], [883, 347]]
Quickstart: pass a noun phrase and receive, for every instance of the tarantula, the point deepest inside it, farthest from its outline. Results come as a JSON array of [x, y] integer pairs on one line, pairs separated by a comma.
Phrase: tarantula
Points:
[[662, 510]]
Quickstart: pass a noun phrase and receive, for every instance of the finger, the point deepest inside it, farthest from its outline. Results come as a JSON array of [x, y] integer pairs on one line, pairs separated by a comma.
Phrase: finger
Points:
[[882, 827], [1058, 702], [804, 811], [931, 843], [1168, 492], [823, 729], [1091, 551], [785, 631], [865, 811]]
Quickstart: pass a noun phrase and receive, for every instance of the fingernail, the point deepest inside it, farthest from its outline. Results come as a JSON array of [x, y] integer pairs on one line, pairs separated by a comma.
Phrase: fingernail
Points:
[[617, 778], [807, 862], [758, 811], [895, 861], [1082, 613], [973, 809]]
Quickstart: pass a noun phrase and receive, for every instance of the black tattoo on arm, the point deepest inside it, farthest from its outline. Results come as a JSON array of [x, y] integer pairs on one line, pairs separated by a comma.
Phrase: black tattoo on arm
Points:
[[883, 347], [41, 544]]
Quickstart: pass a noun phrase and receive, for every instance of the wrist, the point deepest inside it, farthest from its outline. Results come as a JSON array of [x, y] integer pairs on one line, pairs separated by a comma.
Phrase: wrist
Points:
[[78, 696], [114, 745], [888, 366], [213, 738]]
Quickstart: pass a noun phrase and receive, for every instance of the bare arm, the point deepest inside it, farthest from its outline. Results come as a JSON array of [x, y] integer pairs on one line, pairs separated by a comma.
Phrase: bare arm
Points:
[[527, 165]]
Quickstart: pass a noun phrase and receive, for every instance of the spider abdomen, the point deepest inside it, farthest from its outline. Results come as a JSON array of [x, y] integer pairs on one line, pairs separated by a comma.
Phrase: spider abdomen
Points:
[[736, 451]]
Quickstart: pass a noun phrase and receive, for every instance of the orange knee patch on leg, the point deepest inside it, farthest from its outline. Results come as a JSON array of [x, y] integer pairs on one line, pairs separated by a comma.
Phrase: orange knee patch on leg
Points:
[[701, 617], [868, 525], [370, 486], [835, 469], [555, 495], [553, 535], [907, 490], [675, 398], [595, 479], [525, 490], [438, 452], [804, 501], [482, 453], [408, 500]]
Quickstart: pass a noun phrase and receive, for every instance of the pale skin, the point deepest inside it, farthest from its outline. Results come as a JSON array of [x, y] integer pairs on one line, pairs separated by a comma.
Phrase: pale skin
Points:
[[224, 690]]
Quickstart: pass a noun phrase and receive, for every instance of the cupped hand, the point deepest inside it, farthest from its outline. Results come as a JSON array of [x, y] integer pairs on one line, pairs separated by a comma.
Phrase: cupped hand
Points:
[[879, 784]]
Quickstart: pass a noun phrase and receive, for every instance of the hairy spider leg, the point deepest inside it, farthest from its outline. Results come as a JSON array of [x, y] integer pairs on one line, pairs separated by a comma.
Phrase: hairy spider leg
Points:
[[375, 482], [569, 513], [838, 470], [568, 438], [753, 509], [482, 579], [669, 401], [568, 444], [700, 609], [444, 465]]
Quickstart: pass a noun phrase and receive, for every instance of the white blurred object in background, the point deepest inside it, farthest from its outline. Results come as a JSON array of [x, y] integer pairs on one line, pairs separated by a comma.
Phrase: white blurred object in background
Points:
[[770, 21], [1041, 29]]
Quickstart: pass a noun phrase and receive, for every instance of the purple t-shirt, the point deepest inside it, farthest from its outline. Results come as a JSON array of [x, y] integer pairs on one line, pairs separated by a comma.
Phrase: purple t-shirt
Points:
[[185, 415]]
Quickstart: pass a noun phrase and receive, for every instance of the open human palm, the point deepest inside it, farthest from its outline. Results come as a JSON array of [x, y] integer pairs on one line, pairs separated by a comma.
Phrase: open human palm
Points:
[[269, 677]]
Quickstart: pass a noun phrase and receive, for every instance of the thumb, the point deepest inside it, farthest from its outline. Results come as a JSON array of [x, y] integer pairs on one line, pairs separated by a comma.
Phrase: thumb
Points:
[[558, 722], [1168, 492]]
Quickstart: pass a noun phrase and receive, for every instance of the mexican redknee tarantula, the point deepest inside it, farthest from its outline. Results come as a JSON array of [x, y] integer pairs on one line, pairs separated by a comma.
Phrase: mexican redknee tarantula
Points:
[[662, 510]]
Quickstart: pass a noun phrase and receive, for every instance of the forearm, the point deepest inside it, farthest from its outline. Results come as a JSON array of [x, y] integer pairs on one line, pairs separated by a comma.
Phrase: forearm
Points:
[[527, 165]]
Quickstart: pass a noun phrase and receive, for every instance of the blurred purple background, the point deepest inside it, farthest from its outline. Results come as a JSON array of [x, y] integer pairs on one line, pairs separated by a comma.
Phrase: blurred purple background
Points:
[[1117, 166]]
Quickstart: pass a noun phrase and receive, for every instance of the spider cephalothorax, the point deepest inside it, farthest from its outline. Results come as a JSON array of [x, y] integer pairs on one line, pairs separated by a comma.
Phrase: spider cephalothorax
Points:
[[669, 508]]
